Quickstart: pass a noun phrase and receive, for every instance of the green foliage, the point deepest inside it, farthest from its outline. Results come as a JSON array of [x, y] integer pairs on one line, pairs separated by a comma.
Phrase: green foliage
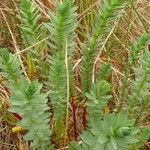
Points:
[[74, 146], [115, 132], [108, 14], [97, 99], [30, 103], [104, 132], [9, 65], [139, 99], [62, 26], [33, 32], [62, 30], [27, 101], [145, 133], [30, 17], [104, 71], [138, 48]]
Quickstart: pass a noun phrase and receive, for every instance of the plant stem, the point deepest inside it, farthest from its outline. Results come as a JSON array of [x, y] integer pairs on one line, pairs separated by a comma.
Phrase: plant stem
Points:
[[68, 89], [74, 108]]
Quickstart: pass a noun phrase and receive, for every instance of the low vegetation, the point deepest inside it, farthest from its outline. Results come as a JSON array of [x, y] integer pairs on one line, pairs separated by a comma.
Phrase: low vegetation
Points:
[[81, 80]]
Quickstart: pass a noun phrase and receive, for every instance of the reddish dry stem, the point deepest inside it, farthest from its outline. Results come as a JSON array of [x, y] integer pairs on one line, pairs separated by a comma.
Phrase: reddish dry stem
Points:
[[74, 121], [84, 121]]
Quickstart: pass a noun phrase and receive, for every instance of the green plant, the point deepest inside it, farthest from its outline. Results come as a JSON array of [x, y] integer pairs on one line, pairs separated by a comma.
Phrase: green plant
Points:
[[62, 30], [115, 132], [108, 14], [33, 32], [9, 65], [138, 100], [48, 112], [104, 71], [28, 101], [97, 99], [62, 27], [138, 48]]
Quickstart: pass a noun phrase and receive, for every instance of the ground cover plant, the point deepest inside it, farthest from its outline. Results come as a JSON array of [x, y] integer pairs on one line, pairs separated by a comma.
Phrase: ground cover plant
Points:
[[72, 77]]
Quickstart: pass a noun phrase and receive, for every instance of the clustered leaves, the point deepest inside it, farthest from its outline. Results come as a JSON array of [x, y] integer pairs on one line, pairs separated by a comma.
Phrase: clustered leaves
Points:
[[140, 91], [98, 98], [33, 32], [28, 101], [114, 131], [9, 65], [138, 48], [108, 13], [62, 30]]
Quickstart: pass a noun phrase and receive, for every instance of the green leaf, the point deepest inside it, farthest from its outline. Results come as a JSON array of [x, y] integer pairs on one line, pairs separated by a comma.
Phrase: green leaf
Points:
[[31, 104], [98, 98], [88, 138], [106, 134], [102, 138], [9, 65], [114, 143]]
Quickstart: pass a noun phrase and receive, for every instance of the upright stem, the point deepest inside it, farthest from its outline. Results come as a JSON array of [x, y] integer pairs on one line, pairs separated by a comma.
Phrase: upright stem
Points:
[[68, 88]]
